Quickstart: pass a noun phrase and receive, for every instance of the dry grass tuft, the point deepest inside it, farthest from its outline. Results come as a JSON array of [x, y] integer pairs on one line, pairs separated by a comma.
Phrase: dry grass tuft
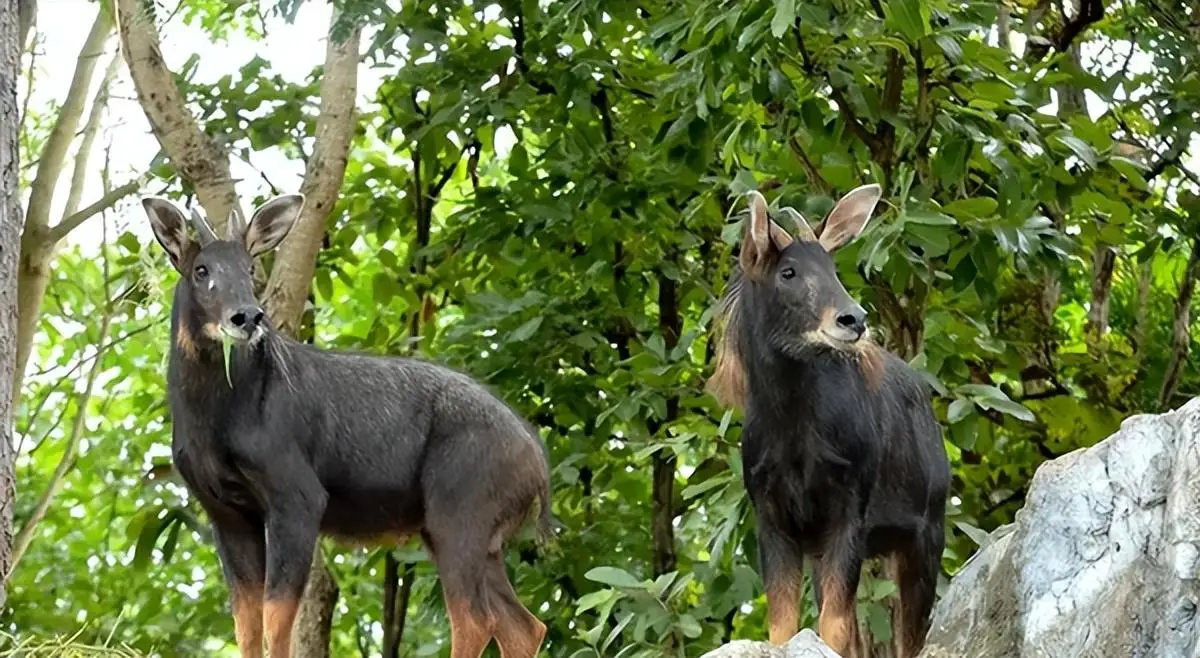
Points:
[[64, 647]]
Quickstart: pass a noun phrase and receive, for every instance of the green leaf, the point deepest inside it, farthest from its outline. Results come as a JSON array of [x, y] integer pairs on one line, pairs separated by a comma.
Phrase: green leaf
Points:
[[613, 577], [958, 410], [690, 627], [226, 350], [979, 207], [1014, 409], [595, 599], [930, 217], [785, 16], [526, 330], [1077, 146], [1129, 169], [977, 535], [909, 18]]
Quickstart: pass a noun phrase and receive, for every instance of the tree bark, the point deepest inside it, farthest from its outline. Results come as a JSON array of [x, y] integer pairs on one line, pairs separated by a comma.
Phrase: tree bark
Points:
[[37, 248], [87, 140], [291, 278], [1180, 334], [1141, 305], [11, 225], [663, 462], [194, 154], [26, 16], [397, 589], [296, 258], [1104, 259]]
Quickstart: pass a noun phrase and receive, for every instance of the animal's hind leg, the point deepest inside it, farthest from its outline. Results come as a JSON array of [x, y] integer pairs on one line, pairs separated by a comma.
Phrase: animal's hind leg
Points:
[[914, 569], [465, 590], [518, 632]]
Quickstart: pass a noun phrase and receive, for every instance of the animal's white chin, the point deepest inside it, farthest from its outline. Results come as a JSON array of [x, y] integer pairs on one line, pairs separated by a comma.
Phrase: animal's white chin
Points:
[[844, 340], [238, 335]]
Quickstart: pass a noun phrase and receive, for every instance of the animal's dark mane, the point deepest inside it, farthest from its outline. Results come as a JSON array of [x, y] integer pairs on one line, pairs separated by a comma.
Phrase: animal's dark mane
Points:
[[728, 381]]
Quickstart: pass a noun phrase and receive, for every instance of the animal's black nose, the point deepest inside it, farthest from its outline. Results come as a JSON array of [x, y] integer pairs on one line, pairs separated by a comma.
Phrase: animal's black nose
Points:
[[853, 319], [247, 317]]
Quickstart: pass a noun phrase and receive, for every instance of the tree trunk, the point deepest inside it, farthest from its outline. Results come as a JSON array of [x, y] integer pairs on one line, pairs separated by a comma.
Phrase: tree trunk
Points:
[[11, 225], [662, 514], [397, 590], [1104, 259], [1141, 305], [1180, 335], [37, 246], [314, 620], [296, 258]]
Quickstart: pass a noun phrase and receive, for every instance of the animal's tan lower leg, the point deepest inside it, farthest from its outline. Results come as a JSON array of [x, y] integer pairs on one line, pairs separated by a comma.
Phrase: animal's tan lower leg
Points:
[[469, 634], [248, 620], [520, 637], [838, 621], [279, 616], [783, 607]]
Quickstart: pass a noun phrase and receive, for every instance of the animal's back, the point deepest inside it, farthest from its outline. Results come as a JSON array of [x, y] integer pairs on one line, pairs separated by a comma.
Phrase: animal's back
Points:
[[384, 430]]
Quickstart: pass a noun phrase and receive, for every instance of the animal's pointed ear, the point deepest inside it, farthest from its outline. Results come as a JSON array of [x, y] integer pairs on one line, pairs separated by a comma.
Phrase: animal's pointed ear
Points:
[[761, 235], [848, 217], [271, 223], [169, 226], [803, 231]]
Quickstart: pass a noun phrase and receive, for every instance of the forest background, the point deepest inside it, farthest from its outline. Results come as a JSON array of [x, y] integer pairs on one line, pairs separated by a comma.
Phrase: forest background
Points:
[[547, 195]]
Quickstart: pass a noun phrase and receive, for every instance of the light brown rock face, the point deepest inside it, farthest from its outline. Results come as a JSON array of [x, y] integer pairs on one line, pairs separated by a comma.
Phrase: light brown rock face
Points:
[[1103, 559]]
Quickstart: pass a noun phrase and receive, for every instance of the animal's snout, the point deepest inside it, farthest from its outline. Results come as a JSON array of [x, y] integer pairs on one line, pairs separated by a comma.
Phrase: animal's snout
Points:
[[247, 317], [853, 320]]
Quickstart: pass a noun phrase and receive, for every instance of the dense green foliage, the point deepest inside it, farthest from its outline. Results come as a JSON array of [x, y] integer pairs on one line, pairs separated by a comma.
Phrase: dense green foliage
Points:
[[548, 193]]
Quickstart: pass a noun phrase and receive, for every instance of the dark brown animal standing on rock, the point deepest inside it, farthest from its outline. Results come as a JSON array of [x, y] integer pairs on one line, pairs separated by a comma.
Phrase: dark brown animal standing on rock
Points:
[[842, 455], [301, 441]]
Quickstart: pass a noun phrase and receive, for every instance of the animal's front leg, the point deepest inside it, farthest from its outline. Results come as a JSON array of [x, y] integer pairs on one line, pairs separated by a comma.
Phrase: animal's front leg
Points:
[[837, 583], [242, 549], [783, 579], [293, 523]]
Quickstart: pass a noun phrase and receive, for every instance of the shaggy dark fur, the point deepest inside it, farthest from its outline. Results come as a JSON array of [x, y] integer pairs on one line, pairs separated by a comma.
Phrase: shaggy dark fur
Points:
[[843, 457], [300, 441]]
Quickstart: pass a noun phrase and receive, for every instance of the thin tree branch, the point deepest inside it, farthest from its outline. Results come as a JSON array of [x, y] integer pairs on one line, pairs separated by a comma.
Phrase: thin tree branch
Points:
[[1090, 11], [853, 124], [91, 128], [72, 222], [54, 152], [814, 176], [25, 537]]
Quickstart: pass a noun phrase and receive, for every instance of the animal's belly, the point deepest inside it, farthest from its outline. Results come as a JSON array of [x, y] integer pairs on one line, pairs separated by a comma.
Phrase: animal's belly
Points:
[[372, 516]]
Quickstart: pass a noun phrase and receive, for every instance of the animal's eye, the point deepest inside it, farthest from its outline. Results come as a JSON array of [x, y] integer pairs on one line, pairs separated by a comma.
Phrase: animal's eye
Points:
[[787, 273], [201, 272]]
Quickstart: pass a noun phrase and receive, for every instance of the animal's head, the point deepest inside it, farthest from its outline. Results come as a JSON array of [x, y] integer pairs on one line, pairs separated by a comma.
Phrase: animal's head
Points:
[[216, 281], [795, 282]]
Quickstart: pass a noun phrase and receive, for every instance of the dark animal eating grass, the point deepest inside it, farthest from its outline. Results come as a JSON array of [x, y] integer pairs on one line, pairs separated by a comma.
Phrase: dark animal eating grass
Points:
[[300, 442], [842, 455]]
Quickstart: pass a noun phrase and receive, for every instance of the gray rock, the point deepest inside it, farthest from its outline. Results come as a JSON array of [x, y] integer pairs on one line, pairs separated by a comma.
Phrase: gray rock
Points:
[[805, 644], [1101, 561]]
